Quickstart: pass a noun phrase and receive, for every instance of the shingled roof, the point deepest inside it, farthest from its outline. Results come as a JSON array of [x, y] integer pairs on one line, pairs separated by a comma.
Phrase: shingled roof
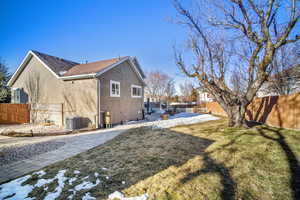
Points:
[[64, 68], [92, 67], [69, 70], [56, 64]]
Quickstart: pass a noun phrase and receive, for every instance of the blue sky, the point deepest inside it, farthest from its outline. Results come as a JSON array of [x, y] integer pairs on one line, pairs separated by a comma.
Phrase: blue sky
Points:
[[91, 30]]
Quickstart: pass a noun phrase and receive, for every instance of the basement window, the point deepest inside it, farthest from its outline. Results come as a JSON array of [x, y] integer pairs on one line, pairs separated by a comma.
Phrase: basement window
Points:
[[114, 88], [136, 91]]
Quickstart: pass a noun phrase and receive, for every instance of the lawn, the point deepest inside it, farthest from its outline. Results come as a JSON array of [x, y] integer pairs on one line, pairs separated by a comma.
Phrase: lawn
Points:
[[200, 161]]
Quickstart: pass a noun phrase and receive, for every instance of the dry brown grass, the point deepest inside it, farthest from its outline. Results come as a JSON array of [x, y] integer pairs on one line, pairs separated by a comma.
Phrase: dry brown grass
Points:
[[201, 161], [258, 163]]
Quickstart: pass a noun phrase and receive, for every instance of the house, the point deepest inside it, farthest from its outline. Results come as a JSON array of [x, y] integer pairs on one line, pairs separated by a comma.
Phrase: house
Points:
[[282, 83], [204, 97], [85, 90]]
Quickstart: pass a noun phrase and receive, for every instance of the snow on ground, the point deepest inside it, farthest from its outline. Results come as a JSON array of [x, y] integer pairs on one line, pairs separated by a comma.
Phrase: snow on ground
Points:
[[61, 179], [182, 118], [121, 196], [88, 196], [86, 185], [14, 190]]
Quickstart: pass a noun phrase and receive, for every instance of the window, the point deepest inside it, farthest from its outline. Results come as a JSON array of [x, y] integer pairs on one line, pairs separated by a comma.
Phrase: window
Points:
[[136, 91], [16, 95], [114, 88]]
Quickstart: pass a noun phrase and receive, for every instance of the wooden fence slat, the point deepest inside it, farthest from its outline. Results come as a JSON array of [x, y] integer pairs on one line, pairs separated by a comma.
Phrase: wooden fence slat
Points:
[[14, 113]]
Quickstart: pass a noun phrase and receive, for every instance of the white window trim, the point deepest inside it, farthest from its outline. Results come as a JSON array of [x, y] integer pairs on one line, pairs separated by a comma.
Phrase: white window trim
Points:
[[136, 86], [110, 88]]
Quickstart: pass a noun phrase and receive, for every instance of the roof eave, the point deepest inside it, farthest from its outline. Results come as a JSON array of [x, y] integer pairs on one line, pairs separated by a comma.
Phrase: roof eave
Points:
[[81, 76], [28, 56], [130, 60]]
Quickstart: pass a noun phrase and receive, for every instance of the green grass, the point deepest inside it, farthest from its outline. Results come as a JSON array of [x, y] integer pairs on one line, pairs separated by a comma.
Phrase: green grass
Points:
[[201, 161]]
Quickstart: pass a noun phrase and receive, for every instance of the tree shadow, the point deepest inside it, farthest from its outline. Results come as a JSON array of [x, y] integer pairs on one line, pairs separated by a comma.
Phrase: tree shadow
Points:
[[211, 166], [290, 156]]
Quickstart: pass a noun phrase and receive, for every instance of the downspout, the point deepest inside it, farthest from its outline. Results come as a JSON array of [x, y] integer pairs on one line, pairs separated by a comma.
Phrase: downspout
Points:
[[98, 103]]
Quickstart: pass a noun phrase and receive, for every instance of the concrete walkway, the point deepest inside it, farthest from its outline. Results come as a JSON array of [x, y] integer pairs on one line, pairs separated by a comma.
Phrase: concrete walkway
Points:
[[74, 144]]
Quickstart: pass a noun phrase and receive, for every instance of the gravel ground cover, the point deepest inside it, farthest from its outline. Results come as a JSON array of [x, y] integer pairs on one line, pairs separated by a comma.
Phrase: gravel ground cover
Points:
[[13, 153]]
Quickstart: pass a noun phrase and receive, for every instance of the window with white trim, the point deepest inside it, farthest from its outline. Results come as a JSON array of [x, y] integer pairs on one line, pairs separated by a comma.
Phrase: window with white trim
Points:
[[114, 88], [136, 91]]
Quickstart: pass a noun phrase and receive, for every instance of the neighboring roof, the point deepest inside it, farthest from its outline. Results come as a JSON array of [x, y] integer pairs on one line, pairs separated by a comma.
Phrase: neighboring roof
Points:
[[93, 67], [291, 72], [68, 70], [56, 64]]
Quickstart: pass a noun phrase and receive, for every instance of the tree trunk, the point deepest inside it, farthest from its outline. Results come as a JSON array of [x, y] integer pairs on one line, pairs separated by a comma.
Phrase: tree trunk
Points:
[[236, 115]]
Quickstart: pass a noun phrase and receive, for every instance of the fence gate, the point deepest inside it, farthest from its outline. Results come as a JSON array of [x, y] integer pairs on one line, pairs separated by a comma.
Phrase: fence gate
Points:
[[14, 113]]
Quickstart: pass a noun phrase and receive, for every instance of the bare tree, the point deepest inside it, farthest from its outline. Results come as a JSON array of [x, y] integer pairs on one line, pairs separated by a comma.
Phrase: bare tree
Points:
[[217, 27], [4, 77], [32, 85], [157, 84], [186, 89], [285, 76], [170, 90]]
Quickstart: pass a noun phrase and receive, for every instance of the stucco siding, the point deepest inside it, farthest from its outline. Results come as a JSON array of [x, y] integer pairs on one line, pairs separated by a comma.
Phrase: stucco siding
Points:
[[79, 96], [125, 107]]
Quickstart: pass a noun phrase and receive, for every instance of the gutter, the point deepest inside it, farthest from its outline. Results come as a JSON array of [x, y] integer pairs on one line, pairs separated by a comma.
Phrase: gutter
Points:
[[82, 76]]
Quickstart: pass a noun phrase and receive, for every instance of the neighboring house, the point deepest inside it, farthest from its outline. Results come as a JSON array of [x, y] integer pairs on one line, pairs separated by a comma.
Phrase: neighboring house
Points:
[[86, 90], [282, 83], [204, 97]]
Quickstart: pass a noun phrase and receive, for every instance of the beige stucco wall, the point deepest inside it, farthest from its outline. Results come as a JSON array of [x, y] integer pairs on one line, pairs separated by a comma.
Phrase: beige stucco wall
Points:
[[125, 107], [79, 97]]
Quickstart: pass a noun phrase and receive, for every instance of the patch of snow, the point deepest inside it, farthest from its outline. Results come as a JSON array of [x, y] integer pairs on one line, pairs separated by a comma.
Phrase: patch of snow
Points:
[[123, 182], [42, 182], [16, 189], [103, 168], [76, 172], [71, 195], [71, 180], [83, 186], [88, 196], [184, 114], [116, 194], [86, 185], [107, 177], [40, 173], [183, 119], [61, 179], [121, 196]]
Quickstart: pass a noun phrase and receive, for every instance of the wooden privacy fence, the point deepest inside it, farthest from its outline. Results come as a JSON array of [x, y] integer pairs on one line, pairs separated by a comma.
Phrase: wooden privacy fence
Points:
[[14, 113], [281, 111]]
